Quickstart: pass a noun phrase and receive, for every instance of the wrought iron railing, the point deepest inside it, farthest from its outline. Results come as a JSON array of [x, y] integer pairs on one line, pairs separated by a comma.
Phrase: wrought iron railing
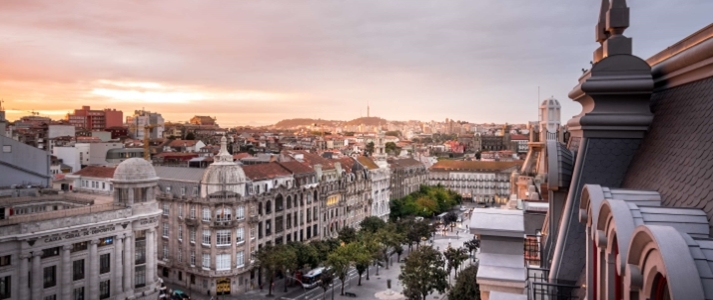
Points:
[[533, 250], [539, 287]]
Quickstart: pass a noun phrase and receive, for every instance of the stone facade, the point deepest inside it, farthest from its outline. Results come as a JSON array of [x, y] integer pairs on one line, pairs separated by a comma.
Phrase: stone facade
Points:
[[407, 176], [75, 247]]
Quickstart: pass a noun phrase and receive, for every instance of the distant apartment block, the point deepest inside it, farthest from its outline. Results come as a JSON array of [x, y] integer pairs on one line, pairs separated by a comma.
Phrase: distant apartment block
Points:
[[141, 118], [89, 119]]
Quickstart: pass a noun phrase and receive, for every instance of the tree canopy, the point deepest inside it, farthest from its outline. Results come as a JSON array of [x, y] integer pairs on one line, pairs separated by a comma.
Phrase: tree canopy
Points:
[[372, 224], [423, 273], [426, 202], [466, 286]]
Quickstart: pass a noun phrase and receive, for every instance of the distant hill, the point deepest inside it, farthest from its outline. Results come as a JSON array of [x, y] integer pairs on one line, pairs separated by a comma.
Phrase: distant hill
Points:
[[368, 121], [303, 122], [292, 123]]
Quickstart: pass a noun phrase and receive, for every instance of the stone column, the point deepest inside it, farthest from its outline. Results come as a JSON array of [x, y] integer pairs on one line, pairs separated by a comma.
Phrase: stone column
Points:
[[66, 278], [118, 279], [150, 256], [131, 196], [24, 291], [129, 265], [93, 280], [36, 287]]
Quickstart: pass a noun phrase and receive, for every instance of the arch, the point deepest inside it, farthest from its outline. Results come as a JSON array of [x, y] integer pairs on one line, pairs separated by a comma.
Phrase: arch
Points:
[[279, 203], [617, 223], [268, 207], [657, 250]]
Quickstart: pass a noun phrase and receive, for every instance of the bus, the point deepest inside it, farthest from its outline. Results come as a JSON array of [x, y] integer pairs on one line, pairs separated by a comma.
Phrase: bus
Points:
[[312, 278]]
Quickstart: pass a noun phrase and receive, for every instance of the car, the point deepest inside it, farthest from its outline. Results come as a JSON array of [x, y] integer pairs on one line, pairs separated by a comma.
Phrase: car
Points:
[[462, 208], [179, 295]]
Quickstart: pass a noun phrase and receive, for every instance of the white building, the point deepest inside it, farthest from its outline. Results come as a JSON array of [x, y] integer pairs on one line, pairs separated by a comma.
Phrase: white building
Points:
[[72, 247], [380, 175], [93, 180], [140, 120]]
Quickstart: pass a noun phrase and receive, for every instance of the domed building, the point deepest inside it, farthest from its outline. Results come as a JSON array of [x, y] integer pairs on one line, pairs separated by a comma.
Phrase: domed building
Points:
[[84, 245], [223, 176]]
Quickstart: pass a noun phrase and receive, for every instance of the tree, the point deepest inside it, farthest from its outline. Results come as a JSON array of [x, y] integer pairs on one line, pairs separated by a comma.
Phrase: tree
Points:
[[450, 217], [390, 239], [454, 257], [325, 281], [307, 255], [395, 133], [190, 136], [466, 286], [347, 235], [274, 259], [373, 248], [325, 247], [472, 245], [341, 260], [369, 149], [362, 258], [372, 224], [423, 273], [390, 147]]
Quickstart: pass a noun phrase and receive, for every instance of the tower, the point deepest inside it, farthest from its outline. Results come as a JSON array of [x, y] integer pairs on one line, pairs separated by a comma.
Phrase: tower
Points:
[[549, 119], [380, 150]]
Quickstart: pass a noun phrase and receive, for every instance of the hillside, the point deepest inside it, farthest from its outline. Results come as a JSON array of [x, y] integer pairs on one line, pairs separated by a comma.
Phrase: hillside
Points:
[[369, 121], [292, 123]]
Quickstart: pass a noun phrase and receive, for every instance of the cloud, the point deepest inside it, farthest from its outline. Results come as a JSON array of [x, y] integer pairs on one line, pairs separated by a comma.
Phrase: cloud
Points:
[[260, 61]]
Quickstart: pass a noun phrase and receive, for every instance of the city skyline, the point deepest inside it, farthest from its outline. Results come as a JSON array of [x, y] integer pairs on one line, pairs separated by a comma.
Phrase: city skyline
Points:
[[257, 63]]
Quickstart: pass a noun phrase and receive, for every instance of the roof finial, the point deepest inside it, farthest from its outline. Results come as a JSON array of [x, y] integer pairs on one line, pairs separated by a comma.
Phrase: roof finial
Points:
[[613, 20], [223, 155]]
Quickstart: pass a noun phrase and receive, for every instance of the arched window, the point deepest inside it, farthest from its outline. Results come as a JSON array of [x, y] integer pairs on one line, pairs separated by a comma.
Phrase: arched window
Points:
[[268, 207], [259, 208], [279, 205], [660, 288], [289, 203]]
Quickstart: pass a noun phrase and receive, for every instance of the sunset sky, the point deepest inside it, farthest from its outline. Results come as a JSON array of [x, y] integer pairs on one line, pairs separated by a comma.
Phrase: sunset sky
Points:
[[257, 62]]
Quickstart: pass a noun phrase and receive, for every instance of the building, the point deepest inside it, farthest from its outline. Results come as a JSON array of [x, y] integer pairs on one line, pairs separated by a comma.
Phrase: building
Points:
[[357, 192], [215, 218], [95, 120], [82, 246], [93, 180], [202, 120], [22, 164], [478, 181], [407, 176], [380, 176], [137, 123], [629, 194]]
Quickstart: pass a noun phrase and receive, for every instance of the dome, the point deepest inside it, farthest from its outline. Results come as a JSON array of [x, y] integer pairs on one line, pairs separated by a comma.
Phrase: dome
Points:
[[135, 170], [550, 102], [224, 175]]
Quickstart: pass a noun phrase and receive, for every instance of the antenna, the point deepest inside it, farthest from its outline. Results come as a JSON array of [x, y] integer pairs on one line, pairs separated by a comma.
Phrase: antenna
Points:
[[539, 112]]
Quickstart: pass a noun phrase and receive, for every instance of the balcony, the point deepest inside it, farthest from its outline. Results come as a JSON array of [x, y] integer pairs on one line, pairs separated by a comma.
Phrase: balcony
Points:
[[191, 221], [223, 223], [539, 287]]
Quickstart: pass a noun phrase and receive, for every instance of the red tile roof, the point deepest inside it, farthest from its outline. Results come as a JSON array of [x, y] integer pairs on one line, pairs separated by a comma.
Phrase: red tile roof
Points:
[[265, 171], [485, 166], [518, 137], [296, 167], [97, 172], [241, 155], [182, 143], [367, 162]]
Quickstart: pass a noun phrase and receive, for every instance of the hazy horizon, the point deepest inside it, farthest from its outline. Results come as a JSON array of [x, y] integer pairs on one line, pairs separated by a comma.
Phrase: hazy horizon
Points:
[[255, 63]]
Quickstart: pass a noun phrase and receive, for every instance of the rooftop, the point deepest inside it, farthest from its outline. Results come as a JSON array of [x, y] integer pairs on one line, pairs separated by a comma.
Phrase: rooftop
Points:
[[472, 166]]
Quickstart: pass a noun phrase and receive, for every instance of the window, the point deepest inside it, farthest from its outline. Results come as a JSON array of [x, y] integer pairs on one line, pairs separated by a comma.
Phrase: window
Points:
[[7, 148], [78, 269], [206, 261], [106, 241], [239, 235], [193, 258], [180, 255], [165, 252], [50, 276], [192, 235], [104, 290], [223, 214], [183, 191], [180, 232], [206, 236], [180, 210], [50, 252], [240, 258], [51, 297], [5, 287], [5, 260], [104, 263], [206, 214], [222, 237], [192, 212], [165, 209], [168, 189], [222, 262], [78, 293], [314, 213], [140, 276], [240, 213], [165, 230]]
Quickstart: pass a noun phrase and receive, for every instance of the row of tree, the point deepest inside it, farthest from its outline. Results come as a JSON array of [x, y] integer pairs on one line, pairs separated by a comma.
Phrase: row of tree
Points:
[[426, 202], [374, 243]]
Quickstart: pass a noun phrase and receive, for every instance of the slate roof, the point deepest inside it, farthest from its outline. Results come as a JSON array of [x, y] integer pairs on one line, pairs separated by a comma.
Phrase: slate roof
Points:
[[675, 157], [265, 171], [474, 166], [179, 174], [96, 171], [404, 163]]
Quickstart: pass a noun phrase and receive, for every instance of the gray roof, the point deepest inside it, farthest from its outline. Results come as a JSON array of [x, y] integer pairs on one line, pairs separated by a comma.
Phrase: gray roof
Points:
[[180, 174], [500, 222], [675, 158]]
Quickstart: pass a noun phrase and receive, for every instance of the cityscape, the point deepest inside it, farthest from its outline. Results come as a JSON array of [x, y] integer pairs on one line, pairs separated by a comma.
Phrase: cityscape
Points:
[[350, 164]]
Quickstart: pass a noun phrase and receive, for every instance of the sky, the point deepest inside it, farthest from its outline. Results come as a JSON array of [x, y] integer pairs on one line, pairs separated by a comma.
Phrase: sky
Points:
[[257, 62]]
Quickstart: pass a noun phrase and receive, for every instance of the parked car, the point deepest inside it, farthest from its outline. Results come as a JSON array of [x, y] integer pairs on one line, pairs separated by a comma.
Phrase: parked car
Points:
[[179, 295]]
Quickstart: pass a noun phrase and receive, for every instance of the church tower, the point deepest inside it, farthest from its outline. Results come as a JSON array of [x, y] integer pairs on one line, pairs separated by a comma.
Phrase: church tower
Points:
[[380, 150]]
